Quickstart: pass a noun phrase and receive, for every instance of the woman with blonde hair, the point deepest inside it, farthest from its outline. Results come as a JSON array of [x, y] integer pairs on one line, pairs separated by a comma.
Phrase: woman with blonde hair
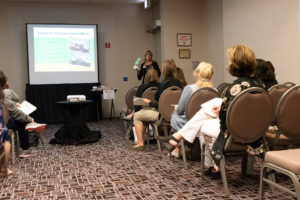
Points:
[[241, 64], [169, 72], [203, 74]]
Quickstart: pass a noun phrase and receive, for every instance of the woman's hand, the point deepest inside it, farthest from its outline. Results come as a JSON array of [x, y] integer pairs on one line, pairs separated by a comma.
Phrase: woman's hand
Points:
[[175, 106], [18, 105], [216, 110], [146, 101]]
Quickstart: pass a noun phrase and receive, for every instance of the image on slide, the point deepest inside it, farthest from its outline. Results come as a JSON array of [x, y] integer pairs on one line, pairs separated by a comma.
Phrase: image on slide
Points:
[[80, 52]]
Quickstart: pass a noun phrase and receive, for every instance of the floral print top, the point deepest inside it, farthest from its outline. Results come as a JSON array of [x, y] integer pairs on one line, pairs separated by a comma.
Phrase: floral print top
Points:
[[3, 129], [238, 85]]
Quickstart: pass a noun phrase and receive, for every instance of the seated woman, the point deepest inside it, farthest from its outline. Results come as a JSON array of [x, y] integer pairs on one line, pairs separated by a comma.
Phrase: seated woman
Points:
[[18, 121], [265, 71], [203, 74], [169, 72], [180, 77], [5, 138], [242, 64], [151, 80]]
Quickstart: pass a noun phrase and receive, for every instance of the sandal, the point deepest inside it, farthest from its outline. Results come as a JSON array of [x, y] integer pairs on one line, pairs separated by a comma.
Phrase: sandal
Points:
[[167, 139]]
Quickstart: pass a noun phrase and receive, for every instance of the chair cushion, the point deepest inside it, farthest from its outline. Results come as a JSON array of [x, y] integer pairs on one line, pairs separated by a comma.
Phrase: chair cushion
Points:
[[283, 140], [287, 159]]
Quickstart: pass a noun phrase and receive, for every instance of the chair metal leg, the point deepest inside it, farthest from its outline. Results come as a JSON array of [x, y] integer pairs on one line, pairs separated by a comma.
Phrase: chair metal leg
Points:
[[3, 161], [18, 144], [13, 147], [147, 136], [166, 131], [223, 174], [244, 163], [154, 126], [183, 153], [202, 161], [261, 184]]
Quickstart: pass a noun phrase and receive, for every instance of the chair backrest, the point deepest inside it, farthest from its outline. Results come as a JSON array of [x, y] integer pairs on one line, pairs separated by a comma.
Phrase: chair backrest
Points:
[[288, 113], [289, 84], [149, 93], [169, 97], [249, 115], [129, 97], [276, 91], [222, 88], [199, 97]]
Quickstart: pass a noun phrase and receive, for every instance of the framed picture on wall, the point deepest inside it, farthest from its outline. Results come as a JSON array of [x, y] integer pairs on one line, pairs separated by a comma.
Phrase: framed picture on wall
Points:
[[184, 53], [184, 39]]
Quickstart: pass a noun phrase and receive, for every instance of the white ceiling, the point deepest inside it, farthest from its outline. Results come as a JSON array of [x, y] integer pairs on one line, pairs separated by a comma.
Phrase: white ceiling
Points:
[[79, 1]]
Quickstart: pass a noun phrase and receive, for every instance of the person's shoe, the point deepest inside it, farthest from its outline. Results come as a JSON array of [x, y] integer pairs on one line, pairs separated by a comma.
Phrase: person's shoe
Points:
[[127, 118], [213, 175], [138, 148], [175, 154], [33, 126]]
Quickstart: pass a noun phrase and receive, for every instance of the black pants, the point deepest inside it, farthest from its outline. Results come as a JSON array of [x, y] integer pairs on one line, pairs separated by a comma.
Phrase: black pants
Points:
[[23, 134]]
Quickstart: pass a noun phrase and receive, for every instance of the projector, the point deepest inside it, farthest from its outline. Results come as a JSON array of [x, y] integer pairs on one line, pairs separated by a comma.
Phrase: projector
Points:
[[76, 98]]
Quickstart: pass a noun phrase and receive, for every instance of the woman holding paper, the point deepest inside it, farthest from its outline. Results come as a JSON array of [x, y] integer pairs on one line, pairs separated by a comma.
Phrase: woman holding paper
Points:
[[5, 138], [19, 119], [203, 74], [151, 80], [242, 64], [148, 63]]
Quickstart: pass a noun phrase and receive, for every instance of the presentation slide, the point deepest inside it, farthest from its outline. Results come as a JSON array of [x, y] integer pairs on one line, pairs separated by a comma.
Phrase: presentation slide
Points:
[[60, 53]]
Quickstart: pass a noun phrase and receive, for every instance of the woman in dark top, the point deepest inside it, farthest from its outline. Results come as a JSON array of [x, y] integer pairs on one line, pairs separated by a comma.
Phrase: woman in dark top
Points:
[[265, 71], [151, 80], [151, 114], [148, 63], [242, 64]]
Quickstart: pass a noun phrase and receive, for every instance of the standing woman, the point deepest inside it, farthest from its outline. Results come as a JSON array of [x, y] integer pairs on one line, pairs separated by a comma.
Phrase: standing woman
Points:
[[5, 138], [148, 63]]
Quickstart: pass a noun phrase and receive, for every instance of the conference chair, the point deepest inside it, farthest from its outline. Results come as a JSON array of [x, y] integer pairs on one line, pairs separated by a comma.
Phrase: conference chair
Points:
[[150, 94], [192, 106], [130, 107], [248, 118], [167, 99], [15, 143], [289, 84], [3, 160], [286, 162], [222, 89], [287, 120]]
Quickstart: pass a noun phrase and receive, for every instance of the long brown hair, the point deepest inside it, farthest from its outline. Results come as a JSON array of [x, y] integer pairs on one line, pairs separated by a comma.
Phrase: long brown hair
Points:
[[180, 76], [3, 81], [169, 69]]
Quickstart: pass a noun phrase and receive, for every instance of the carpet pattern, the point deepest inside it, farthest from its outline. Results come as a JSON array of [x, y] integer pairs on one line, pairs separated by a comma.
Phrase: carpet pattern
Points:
[[109, 169]]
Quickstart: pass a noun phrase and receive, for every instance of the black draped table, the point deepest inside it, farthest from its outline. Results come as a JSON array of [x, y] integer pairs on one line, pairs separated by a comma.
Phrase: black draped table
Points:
[[44, 97], [75, 131]]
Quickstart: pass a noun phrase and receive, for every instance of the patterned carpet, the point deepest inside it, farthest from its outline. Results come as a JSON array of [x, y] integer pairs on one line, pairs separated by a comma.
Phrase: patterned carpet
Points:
[[108, 169]]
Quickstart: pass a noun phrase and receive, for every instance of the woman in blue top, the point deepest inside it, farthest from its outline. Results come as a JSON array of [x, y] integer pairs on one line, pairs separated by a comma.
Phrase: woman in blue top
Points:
[[203, 74], [5, 138]]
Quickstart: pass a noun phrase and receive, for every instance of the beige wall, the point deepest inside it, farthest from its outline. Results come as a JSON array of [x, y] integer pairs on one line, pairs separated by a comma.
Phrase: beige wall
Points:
[[123, 25], [182, 16], [271, 28]]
